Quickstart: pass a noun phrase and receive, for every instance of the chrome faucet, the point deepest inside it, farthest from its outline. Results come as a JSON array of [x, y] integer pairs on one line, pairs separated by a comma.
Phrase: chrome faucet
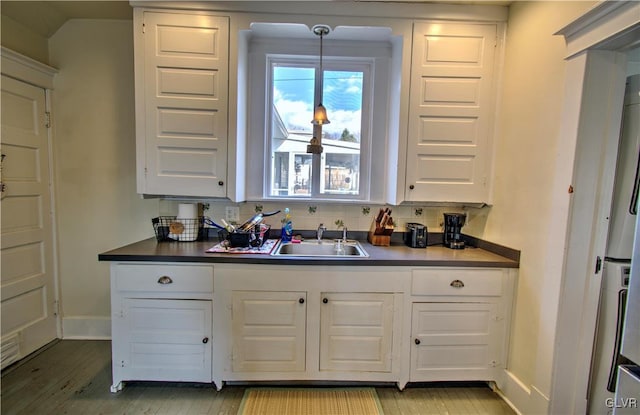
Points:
[[320, 231], [344, 234]]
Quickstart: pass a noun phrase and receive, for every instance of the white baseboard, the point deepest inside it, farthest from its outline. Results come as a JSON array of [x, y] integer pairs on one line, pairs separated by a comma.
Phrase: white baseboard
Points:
[[86, 328], [524, 400], [539, 402]]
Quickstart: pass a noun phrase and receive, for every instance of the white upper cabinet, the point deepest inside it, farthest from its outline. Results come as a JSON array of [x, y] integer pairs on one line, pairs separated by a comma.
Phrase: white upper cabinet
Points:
[[451, 108], [181, 65]]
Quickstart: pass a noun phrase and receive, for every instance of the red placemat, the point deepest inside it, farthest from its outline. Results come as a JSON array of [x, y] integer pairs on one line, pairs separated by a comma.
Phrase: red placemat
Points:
[[266, 248]]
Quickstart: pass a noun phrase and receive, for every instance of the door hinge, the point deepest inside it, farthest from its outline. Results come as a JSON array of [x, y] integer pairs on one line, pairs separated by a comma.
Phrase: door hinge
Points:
[[47, 119], [144, 27], [56, 308], [598, 264]]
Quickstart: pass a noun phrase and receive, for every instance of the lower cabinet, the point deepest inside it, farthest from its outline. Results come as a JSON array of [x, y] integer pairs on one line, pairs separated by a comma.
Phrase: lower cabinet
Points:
[[269, 331], [162, 323], [356, 332], [455, 341], [303, 323], [165, 340], [459, 324]]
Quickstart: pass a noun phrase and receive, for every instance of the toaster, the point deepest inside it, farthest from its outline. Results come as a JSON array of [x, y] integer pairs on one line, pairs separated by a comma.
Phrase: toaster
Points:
[[416, 235]]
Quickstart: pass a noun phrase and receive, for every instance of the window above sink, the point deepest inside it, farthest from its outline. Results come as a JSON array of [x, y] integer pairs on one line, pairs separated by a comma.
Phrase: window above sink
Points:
[[285, 83]]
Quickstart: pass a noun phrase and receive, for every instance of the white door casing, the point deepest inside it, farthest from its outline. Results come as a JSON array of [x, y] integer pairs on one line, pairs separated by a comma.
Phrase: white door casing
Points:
[[594, 93], [27, 278]]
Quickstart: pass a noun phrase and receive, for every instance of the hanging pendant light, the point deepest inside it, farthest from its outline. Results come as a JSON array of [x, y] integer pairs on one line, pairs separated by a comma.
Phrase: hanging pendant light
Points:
[[320, 113]]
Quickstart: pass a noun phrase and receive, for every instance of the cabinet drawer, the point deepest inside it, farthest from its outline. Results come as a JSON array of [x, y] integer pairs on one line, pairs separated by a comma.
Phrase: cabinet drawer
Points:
[[457, 282], [164, 278]]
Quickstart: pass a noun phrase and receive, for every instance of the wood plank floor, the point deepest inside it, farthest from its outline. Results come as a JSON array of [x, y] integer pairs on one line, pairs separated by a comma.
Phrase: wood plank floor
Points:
[[73, 377]]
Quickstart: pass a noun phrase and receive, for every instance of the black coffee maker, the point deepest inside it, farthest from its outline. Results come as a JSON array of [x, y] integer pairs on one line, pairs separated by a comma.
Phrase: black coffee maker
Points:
[[453, 223]]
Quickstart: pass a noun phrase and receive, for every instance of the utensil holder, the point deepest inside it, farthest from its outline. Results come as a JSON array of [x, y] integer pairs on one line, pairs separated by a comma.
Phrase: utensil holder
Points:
[[169, 228]]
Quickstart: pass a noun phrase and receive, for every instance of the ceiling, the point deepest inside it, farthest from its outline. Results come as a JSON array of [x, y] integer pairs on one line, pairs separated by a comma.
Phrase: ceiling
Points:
[[46, 17]]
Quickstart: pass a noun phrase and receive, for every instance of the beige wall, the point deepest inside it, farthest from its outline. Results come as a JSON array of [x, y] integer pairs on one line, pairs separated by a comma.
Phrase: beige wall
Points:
[[18, 38], [94, 157], [532, 99]]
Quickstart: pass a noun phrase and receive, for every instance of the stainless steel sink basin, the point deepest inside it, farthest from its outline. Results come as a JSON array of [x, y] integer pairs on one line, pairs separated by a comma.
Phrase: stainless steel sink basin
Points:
[[326, 248]]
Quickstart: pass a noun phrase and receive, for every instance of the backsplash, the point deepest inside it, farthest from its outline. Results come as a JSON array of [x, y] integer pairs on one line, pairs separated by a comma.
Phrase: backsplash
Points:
[[307, 216]]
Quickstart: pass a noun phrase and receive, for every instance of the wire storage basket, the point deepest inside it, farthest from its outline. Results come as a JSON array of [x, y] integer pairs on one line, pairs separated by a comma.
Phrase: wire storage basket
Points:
[[171, 228]]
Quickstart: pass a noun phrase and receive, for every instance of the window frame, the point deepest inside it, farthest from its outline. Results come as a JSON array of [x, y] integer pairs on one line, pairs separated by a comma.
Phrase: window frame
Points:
[[347, 64], [382, 105]]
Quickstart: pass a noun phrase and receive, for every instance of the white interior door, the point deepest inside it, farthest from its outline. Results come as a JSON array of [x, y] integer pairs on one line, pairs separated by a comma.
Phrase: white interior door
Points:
[[27, 278]]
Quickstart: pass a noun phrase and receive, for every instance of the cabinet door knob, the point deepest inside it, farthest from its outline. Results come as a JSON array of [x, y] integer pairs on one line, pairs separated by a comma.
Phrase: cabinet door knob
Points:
[[411, 187], [417, 341], [325, 300], [205, 340], [220, 183], [301, 301], [457, 284], [165, 280]]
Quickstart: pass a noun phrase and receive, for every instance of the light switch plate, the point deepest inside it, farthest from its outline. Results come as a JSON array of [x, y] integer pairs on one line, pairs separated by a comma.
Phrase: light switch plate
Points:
[[232, 214]]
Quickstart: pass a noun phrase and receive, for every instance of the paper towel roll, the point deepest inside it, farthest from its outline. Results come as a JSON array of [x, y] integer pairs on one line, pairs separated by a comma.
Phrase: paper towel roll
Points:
[[187, 211]]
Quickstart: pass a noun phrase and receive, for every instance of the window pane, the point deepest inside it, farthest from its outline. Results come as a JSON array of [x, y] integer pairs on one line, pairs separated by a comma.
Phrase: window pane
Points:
[[291, 130], [293, 97], [342, 96], [342, 174], [302, 179]]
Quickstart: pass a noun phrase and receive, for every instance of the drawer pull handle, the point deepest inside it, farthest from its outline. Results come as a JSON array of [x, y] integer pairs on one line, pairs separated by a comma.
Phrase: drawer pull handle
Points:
[[205, 340], [301, 300], [457, 284], [165, 280], [417, 341], [325, 300]]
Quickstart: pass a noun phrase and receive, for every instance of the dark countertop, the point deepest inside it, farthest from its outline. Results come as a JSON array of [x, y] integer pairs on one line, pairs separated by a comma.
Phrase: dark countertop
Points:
[[478, 253]]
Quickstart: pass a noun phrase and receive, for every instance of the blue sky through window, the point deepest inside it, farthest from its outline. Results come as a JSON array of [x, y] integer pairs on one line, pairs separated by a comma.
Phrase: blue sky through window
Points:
[[293, 98]]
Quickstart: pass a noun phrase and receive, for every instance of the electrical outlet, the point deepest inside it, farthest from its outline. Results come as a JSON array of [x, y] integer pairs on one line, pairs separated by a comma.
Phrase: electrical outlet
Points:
[[232, 214]]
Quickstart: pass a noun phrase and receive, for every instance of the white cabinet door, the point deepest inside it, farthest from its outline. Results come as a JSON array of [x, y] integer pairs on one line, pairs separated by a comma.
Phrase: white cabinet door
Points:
[[356, 332], [450, 112], [166, 340], [183, 119], [456, 341], [28, 288], [269, 331]]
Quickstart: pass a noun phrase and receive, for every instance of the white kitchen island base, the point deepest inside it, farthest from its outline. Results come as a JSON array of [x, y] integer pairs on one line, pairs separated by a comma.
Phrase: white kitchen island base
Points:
[[297, 323]]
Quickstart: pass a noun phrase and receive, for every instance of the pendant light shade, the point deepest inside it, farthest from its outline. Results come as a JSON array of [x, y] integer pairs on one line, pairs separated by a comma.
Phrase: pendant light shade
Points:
[[320, 113]]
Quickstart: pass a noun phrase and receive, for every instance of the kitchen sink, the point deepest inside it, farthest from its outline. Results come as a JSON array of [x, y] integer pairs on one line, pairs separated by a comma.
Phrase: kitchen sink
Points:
[[324, 248]]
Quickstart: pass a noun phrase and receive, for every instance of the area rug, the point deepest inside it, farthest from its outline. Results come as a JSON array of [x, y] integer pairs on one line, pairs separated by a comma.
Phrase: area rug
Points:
[[310, 401]]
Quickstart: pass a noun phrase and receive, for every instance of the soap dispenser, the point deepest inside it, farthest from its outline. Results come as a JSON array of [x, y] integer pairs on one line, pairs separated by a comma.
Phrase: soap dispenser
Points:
[[287, 227]]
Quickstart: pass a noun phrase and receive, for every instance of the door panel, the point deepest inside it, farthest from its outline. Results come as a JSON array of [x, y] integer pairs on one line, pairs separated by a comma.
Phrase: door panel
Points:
[[27, 284], [166, 340], [356, 331], [185, 96], [449, 116], [269, 331], [460, 341]]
